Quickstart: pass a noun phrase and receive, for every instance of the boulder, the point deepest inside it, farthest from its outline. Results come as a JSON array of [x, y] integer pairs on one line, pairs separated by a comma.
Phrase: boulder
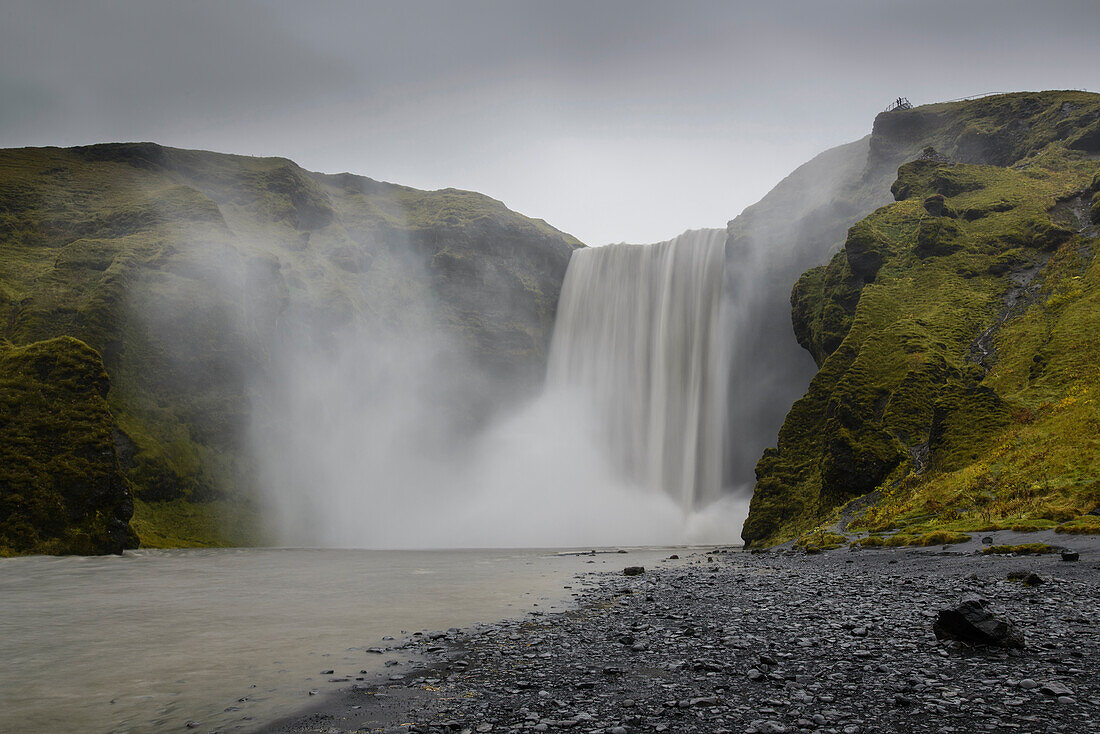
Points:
[[974, 620], [1070, 555], [633, 570], [1034, 579]]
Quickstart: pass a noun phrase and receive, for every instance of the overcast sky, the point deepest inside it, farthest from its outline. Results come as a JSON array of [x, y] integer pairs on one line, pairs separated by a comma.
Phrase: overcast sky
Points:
[[611, 120]]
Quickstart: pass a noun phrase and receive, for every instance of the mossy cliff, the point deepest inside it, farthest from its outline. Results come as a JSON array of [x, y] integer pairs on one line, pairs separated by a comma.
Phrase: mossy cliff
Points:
[[804, 221], [61, 487], [955, 334], [181, 269]]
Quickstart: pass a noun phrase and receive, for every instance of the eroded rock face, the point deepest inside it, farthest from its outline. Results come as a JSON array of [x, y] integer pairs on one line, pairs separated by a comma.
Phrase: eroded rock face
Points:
[[975, 621]]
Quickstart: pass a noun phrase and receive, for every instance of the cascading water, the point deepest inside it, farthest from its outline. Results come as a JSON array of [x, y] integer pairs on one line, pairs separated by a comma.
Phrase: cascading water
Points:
[[639, 335], [364, 441]]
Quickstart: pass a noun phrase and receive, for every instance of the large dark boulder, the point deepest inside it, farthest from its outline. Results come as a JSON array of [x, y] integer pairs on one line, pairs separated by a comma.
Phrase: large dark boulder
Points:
[[974, 620]]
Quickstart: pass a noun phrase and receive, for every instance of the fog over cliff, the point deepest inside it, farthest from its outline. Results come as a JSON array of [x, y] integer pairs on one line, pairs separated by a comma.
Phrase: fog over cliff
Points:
[[617, 121]]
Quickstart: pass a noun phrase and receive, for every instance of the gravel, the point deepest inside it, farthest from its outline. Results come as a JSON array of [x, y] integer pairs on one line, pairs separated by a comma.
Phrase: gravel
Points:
[[727, 641]]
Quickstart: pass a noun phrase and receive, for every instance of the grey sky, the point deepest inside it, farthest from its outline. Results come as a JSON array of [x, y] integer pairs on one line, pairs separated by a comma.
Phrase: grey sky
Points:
[[612, 120]]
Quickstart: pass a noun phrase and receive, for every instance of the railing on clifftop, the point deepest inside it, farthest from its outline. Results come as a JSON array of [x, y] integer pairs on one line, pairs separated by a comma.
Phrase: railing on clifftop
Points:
[[901, 103]]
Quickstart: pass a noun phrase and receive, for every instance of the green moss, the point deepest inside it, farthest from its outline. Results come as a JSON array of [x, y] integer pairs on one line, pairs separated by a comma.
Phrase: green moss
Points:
[[182, 524], [1026, 549], [61, 490], [965, 400], [938, 537], [1088, 525], [820, 540], [943, 537]]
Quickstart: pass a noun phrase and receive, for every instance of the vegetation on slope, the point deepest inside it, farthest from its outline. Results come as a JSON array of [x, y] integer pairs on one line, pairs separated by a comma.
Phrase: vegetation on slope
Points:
[[184, 269], [61, 489], [956, 339]]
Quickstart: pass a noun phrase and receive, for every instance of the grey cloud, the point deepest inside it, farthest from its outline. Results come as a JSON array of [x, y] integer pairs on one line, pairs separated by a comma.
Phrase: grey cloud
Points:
[[615, 120]]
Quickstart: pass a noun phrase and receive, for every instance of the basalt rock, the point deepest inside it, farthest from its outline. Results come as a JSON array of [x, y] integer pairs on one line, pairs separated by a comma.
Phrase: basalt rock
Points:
[[975, 621]]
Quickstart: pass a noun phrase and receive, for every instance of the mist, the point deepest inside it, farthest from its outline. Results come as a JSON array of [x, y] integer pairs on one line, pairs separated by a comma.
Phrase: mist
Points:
[[395, 385], [376, 439]]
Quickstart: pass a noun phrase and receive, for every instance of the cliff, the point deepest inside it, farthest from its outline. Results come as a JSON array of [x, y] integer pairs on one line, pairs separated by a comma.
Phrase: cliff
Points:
[[954, 334], [182, 271]]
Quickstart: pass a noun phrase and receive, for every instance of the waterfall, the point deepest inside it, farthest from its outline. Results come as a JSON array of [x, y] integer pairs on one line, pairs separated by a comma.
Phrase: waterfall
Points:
[[638, 333]]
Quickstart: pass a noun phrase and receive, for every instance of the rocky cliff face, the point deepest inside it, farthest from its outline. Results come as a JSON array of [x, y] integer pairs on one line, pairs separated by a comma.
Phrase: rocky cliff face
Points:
[[185, 270], [956, 374]]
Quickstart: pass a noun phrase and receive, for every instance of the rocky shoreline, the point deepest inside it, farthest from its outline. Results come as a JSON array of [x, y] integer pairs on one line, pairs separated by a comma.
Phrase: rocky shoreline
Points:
[[730, 641]]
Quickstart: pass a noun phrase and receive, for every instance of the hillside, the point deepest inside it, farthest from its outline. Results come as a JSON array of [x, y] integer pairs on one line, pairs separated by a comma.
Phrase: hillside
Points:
[[184, 271], [955, 335]]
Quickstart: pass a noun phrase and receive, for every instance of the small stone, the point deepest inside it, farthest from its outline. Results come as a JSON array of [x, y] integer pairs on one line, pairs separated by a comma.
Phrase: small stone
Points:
[[1034, 579], [987, 540], [1067, 699], [1028, 684], [484, 728], [192, 724], [1054, 688], [767, 727], [754, 674]]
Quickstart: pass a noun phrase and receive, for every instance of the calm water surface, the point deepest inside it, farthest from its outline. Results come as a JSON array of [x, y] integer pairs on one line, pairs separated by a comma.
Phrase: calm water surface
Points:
[[150, 640]]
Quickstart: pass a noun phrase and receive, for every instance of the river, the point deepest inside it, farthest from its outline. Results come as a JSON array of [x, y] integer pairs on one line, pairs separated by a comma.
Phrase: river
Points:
[[233, 638]]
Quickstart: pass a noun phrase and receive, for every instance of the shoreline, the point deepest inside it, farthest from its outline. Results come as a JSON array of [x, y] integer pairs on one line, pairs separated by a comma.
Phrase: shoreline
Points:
[[771, 642]]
